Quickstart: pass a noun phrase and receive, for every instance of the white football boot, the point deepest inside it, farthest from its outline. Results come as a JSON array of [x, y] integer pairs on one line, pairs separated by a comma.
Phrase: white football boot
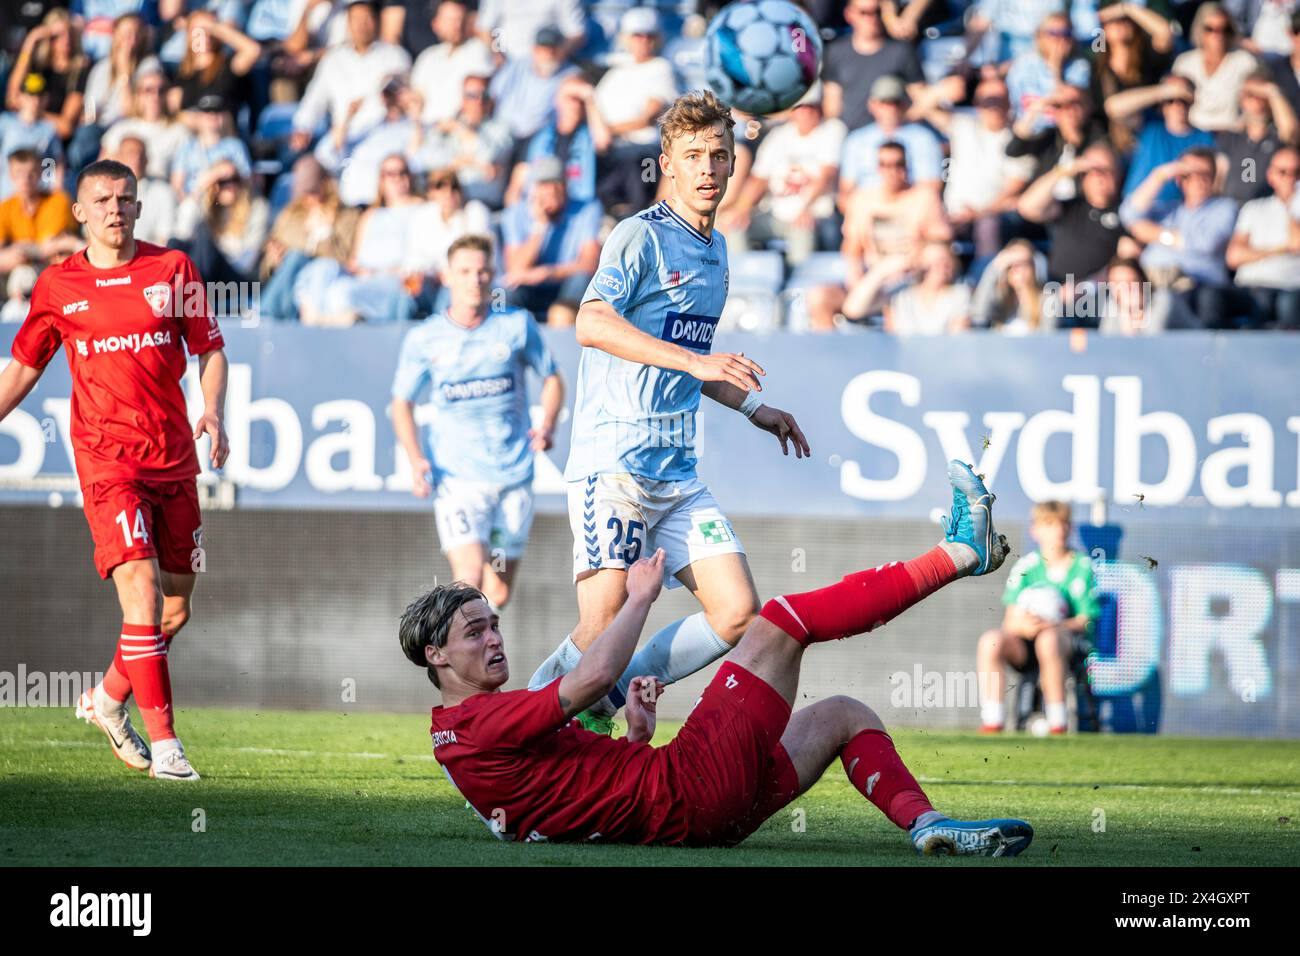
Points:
[[171, 764], [111, 716]]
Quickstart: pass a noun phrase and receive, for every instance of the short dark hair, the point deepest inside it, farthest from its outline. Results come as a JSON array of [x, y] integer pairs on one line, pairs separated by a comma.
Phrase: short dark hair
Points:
[[427, 621], [106, 169], [23, 155], [892, 144]]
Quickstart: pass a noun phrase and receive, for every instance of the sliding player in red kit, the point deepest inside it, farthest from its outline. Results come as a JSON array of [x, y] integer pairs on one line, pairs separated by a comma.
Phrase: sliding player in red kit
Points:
[[126, 312], [532, 773]]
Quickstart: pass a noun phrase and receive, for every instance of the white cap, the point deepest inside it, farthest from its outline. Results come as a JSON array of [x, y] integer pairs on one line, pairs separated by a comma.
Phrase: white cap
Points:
[[639, 20]]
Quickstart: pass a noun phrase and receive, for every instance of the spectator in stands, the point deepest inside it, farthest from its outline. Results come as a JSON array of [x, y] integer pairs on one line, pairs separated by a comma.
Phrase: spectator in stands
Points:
[[458, 55], [217, 58], [357, 161], [313, 225], [1158, 140], [213, 142], [575, 136], [1131, 305], [1012, 23], [441, 220], [28, 128], [628, 100], [376, 286], [1219, 68], [1186, 241], [1051, 63], [1048, 629], [524, 89], [1009, 297], [1072, 128], [1084, 230], [109, 83], [888, 104], [477, 146], [853, 64], [551, 246], [510, 26], [1286, 69], [885, 228], [97, 18], [789, 194], [148, 118], [1264, 24], [983, 182], [19, 287], [227, 241], [157, 220], [348, 80], [1267, 124], [937, 303], [36, 222], [1265, 246], [53, 50], [1136, 51]]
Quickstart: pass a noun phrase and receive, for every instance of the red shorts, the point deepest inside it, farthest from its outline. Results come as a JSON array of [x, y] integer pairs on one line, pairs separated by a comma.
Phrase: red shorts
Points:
[[728, 763], [131, 519]]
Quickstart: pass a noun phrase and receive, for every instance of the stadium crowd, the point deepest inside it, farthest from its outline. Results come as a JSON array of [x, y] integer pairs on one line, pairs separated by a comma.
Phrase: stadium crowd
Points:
[[1016, 166]]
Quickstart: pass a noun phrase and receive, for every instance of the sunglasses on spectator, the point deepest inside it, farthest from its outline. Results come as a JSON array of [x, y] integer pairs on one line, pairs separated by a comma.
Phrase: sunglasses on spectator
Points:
[[992, 103], [474, 95], [1061, 33], [1216, 28], [892, 164], [394, 173], [227, 181], [444, 184]]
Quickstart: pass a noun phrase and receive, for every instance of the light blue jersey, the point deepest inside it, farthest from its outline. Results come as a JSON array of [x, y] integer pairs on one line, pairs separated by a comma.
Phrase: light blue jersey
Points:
[[662, 275], [476, 379]]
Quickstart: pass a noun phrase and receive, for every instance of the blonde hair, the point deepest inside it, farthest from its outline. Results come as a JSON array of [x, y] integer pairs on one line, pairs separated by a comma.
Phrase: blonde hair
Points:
[[1051, 511], [692, 112]]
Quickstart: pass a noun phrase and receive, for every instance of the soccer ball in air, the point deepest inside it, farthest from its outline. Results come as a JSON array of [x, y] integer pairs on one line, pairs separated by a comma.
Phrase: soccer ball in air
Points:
[[762, 56]]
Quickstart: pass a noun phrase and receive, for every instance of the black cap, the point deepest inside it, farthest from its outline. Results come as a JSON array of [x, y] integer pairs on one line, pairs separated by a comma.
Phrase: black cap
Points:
[[549, 36], [211, 103]]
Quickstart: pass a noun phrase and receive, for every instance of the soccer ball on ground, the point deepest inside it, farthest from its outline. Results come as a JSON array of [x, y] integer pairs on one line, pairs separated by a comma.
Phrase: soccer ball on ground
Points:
[[762, 56]]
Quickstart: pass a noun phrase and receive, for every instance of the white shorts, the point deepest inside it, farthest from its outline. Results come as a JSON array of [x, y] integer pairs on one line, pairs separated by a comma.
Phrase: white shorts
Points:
[[497, 516], [618, 518]]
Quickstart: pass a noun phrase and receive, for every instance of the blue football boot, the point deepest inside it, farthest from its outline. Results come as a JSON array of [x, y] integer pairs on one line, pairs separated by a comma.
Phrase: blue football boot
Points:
[[971, 520]]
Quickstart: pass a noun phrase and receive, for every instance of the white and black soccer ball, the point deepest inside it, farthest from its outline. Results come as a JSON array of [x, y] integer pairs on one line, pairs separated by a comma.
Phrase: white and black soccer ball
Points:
[[762, 56], [1044, 601]]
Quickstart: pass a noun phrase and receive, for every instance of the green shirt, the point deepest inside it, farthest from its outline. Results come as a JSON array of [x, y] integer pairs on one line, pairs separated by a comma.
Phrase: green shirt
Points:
[[1076, 582]]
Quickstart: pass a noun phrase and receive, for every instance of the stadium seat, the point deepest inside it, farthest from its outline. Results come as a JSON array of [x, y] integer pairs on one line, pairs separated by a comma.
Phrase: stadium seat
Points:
[[751, 310], [757, 269], [820, 268]]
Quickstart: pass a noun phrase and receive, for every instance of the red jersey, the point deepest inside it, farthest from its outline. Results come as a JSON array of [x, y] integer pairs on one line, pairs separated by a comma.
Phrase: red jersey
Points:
[[533, 774], [123, 329]]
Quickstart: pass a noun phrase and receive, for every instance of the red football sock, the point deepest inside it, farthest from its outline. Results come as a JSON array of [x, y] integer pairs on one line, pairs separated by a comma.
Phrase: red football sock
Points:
[[874, 767], [861, 601], [116, 684], [144, 652]]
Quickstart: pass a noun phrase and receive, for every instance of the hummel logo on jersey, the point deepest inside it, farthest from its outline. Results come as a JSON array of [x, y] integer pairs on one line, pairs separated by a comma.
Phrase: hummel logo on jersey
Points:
[[690, 331], [732, 682], [81, 306], [120, 280]]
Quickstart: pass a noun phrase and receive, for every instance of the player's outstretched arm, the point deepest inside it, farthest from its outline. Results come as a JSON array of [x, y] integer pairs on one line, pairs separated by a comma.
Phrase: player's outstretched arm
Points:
[[774, 420], [605, 660], [600, 327], [16, 382], [213, 369]]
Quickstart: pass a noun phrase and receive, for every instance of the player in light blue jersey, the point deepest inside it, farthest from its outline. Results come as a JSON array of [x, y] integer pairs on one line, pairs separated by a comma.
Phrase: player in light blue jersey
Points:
[[646, 326], [481, 446]]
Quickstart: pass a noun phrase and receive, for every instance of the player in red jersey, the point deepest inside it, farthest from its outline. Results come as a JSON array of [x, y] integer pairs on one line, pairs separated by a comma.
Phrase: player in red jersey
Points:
[[532, 773], [125, 312]]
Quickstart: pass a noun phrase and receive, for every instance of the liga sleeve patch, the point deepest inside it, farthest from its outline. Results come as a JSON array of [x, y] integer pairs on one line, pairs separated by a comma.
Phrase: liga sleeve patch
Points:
[[610, 283]]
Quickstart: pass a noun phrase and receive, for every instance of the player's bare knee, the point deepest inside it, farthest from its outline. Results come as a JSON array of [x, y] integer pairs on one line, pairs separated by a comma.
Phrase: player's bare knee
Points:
[[990, 643], [853, 716]]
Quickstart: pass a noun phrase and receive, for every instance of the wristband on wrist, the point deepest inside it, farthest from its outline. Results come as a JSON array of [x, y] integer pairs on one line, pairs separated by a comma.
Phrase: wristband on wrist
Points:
[[750, 405]]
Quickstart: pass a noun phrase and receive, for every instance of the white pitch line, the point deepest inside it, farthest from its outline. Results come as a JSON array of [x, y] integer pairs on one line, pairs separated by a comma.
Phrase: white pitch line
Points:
[[367, 755]]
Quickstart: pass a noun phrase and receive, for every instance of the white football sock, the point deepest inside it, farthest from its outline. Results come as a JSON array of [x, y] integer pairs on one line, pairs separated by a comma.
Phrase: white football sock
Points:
[[1056, 716], [677, 651], [564, 659], [992, 714]]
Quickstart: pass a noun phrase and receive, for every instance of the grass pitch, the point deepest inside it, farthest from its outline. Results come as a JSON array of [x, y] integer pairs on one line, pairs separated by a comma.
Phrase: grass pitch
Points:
[[293, 788]]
